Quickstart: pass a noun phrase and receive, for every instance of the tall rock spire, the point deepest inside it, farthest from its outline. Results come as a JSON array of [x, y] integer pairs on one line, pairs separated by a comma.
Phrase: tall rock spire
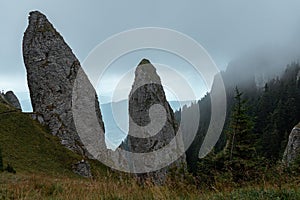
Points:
[[151, 119], [51, 73]]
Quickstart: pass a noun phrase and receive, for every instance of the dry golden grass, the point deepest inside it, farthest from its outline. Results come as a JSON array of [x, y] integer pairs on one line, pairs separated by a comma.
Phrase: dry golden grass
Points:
[[45, 187], [26, 186]]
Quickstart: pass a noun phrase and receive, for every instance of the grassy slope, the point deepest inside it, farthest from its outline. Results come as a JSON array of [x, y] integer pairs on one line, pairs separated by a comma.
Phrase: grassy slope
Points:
[[28, 146]]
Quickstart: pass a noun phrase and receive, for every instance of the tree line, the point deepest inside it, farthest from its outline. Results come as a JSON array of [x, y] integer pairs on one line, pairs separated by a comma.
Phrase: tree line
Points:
[[256, 129]]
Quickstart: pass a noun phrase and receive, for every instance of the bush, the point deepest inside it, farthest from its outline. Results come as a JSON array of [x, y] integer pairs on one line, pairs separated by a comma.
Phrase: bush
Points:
[[10, 169]]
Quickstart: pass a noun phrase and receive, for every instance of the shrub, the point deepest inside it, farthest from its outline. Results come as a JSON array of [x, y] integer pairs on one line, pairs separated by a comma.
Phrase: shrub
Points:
[[10, 169]]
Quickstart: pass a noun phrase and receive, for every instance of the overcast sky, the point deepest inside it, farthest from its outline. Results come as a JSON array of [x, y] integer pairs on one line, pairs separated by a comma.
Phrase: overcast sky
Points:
[[225, 28]]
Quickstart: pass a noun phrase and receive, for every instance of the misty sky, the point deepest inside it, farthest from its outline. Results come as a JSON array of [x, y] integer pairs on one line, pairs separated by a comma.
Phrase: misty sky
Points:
[[225, 28]]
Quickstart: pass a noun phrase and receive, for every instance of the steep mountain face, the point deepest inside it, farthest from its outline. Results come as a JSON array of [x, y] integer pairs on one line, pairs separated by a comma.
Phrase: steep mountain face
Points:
[[146, 133], [51, 72], [292, 151], [12, 99]]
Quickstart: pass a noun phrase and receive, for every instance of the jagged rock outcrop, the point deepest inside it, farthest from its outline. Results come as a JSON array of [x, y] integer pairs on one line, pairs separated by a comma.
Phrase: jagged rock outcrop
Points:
[[51, 72], [13, 99], [150, 130], [292, 151], [38, 118], [10, 98], [82, 168]]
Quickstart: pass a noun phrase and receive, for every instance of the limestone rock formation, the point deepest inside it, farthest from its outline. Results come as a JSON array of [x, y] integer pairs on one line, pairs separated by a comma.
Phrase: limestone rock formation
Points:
[[292, 151], [11, 99], [151, 119], [51, 72], [82, 168], [38, 118]]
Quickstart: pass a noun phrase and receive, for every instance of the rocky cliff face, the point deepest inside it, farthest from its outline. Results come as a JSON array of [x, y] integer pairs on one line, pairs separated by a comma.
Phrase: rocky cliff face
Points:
[[12, 99], [51, 72], [292, 151], [150, 130]]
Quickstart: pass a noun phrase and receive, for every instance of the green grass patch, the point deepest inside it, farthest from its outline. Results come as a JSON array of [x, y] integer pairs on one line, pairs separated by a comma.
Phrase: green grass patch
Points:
[[29, 147]]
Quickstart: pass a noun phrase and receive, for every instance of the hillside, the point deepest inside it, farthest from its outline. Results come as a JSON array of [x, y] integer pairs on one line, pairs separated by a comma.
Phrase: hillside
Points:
[[44, 171], [273, 111], [29, 148]]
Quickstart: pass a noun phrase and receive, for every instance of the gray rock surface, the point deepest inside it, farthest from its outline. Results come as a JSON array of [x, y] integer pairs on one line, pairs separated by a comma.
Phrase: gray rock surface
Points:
[[292, 151], [82, 168], [150, 130], [12, 99], [38, 118], [51, 72]]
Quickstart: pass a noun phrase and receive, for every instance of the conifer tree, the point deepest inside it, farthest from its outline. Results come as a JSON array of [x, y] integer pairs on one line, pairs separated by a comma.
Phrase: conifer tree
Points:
[[240, 133], [240, 154]]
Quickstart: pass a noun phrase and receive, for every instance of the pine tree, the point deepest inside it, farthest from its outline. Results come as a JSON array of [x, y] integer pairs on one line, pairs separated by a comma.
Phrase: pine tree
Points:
[[240, 134], [240, 154]]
